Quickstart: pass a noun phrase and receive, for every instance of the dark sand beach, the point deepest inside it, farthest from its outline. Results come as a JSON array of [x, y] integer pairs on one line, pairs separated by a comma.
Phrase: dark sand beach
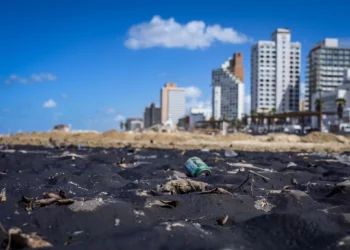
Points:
[[299, 205]]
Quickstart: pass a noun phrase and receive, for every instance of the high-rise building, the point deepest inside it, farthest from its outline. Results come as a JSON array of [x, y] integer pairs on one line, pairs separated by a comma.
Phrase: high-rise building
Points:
[[151, 116], [228, 89], [172, 101], [327, 61], [275, 74]]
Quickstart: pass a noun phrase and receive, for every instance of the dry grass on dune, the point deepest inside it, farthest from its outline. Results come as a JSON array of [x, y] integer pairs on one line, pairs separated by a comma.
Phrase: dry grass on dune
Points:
[[184, 140]]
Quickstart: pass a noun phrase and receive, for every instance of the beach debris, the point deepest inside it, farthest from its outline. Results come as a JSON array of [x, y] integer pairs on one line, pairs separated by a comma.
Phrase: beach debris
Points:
[[29, 203], [182, 186], [69, 240], [196, 167], [44, 202], [222, 220], [170, 226], [265, 179], [142, 193], [142, 157], [294, 181], [248, 165], [3, 197], [291, 164], [216, 191], [116, 222], [252, 186], [139, 213], [263, 205], [67, 154], [65, 202], [52, 195], [339, 188], [183, 152], [86, 205], [205, 150], [230, 153], [122, 160], [17, 239], [310, 165], [344, 242]]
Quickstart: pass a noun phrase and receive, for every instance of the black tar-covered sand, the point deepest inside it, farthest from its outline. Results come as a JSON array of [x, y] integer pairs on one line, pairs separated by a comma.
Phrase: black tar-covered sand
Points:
[[299, 207]]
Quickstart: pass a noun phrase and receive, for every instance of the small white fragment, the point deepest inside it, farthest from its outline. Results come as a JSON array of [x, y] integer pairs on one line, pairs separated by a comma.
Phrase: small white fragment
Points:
[[139, 213], [263, 205], [117, 222], [141, 193]]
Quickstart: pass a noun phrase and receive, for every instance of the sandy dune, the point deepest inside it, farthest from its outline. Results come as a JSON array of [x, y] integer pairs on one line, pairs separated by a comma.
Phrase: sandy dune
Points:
[[183, 140]]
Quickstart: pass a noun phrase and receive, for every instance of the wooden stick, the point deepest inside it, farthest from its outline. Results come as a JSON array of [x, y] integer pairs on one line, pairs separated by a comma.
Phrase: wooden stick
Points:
[[266, 179], [251, 186], [244, 182]]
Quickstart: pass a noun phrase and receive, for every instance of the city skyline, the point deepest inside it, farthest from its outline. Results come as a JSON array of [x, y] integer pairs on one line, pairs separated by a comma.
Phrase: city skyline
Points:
[[91, 65]]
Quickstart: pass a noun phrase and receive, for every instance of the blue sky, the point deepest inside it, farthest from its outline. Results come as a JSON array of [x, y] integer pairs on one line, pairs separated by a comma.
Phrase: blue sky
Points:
[[91, 63]]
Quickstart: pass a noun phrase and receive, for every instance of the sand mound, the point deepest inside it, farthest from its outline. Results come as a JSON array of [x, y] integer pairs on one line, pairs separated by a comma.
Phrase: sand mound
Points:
[[282, 138], [317, 137], [240, 137]]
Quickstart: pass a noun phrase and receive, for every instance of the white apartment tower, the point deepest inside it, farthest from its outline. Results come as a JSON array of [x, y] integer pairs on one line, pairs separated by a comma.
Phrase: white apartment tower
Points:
[[228, 89], [172, 101], [275, 75]]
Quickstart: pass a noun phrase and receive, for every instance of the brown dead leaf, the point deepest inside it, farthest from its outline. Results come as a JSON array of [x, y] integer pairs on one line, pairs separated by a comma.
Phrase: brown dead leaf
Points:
[[26, 199], [222, 220], [61, 193], [44, 202], [17, 239], [51, 195], [65, 202], [3, 197]]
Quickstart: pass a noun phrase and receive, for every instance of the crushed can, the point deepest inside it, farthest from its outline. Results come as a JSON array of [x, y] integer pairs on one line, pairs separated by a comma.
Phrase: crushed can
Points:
[[196, 167]]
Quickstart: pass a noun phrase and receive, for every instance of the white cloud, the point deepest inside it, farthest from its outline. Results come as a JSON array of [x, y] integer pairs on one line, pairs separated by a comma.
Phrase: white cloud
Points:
[[49, 104], [170, 34], [41, 77], [194, 103], [15, 78], [193, 92], [109, 111], [119, 118], [247, 104]]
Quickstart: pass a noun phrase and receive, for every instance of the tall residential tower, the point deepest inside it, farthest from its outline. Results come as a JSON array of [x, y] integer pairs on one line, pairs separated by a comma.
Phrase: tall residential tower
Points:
[[228, 89], [275, 74], [327, 61], [172, 101]]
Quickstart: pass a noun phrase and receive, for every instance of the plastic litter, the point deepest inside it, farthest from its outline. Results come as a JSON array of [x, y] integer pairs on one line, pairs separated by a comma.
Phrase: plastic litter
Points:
[[230, 153]]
